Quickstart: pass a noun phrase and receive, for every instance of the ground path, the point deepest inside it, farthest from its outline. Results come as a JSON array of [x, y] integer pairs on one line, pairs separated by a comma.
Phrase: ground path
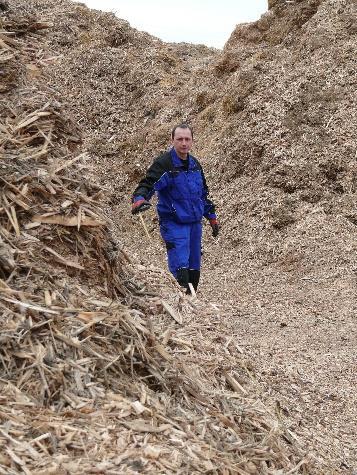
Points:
[[301, 341]]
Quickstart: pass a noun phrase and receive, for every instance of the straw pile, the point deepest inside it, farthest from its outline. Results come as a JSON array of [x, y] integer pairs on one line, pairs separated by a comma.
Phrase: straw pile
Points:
[[97, 375]]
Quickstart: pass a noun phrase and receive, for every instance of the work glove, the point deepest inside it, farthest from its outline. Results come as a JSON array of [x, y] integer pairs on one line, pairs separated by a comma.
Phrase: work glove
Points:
[[139, 205], [215, 226]]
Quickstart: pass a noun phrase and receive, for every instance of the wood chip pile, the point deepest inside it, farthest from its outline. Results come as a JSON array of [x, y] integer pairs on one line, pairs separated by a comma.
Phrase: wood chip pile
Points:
[[89, 380], [275, 118]]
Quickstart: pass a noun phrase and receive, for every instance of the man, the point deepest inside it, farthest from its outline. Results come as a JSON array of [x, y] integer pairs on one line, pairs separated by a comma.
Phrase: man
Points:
[[178, 179]]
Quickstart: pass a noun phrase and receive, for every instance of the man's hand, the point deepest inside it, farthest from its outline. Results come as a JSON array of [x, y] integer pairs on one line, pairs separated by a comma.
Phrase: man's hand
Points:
[[215, 226], [139, 205]]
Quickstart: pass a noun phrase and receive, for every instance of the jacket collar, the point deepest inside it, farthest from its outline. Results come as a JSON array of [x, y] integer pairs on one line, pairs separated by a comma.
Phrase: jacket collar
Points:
[[177, 162]]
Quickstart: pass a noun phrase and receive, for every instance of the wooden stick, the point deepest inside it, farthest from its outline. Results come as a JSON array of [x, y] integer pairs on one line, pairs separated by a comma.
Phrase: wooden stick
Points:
[[70, 162], [233, 383], [172, 312], [144, 225], [192, 290]]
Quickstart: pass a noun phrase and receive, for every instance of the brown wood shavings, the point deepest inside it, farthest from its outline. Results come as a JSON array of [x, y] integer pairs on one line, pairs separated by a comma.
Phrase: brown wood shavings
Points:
[[107, 368]]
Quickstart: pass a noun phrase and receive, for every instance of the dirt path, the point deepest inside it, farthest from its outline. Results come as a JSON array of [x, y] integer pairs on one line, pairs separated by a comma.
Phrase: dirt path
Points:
[[304, 346], [300, 338]]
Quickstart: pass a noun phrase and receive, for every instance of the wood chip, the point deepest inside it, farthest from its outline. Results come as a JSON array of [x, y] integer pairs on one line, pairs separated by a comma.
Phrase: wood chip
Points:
[[71, 221], [172, 312]]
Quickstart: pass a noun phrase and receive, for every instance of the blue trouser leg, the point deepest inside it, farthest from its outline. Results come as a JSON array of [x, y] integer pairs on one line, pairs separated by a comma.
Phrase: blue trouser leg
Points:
[[195, 256], [195, 246], [183, 244]]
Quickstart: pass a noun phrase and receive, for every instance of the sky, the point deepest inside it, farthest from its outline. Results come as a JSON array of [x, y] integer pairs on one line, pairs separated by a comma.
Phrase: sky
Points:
[[208, 22]]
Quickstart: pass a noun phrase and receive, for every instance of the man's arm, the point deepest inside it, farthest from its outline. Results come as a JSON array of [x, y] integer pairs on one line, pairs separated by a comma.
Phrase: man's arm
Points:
[[146, 187], [209, 208]]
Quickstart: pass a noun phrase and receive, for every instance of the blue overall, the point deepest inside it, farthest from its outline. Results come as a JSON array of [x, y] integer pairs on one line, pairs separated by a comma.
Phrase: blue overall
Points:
[[183, 244], [181, 206], [182, 202]]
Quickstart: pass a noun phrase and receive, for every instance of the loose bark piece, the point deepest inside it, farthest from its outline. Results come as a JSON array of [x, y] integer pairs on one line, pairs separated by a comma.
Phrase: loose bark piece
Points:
[[234, 384], [71, 221], [176, 316]]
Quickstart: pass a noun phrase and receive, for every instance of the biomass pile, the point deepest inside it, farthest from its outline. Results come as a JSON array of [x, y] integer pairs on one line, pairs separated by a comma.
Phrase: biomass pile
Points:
[[105, 366], [275, 120]]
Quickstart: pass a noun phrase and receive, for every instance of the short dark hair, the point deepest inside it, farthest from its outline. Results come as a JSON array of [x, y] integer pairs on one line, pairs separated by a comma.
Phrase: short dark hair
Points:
[[181, 126]]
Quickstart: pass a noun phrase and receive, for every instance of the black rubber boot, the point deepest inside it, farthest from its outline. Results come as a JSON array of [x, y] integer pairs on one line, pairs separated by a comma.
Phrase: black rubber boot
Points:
[[194, 278], [183, 277]]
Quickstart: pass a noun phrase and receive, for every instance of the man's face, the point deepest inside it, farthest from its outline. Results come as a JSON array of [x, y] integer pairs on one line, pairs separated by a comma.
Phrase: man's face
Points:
[[182, 142]]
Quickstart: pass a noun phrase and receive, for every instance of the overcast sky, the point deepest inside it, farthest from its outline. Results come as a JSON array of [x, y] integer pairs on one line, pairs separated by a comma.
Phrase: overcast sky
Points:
[[194, 21]]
